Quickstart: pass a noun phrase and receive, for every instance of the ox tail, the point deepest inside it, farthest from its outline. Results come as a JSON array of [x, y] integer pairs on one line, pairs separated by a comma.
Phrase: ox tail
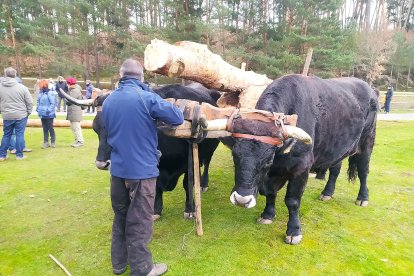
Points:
[[352, 168]]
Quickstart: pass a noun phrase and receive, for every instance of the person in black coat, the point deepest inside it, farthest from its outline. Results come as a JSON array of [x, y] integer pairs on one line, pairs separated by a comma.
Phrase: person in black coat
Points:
[[388, 96], [61, 84]]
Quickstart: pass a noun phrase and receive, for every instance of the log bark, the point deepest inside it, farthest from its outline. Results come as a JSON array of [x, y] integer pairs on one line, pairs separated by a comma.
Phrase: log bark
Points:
[[194, 61]]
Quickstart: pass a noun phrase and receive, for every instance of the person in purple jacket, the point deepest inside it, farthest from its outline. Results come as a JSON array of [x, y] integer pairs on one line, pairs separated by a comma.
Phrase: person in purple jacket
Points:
[[130, 116]]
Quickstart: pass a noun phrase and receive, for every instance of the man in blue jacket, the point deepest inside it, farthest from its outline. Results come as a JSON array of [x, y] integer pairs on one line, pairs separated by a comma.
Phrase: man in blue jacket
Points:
[[130, 115]]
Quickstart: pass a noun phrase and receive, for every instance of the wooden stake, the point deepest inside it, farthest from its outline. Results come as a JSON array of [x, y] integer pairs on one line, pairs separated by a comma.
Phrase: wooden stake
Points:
[[197, 193], [59, 264]]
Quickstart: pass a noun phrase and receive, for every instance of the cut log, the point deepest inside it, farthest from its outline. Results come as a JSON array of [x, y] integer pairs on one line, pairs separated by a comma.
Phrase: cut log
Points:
[[193, 61], [56, 123]]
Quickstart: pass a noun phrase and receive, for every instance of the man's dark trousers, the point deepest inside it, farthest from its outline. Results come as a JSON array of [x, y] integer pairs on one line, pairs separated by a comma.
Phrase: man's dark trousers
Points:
[[133, 205]]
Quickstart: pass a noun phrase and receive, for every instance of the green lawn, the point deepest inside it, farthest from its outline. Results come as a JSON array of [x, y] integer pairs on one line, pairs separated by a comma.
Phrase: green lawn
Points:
[[56, 202]]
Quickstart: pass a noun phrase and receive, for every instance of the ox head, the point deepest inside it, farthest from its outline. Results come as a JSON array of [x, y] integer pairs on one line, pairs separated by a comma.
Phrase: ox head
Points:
[[254, 157], [102, 161]]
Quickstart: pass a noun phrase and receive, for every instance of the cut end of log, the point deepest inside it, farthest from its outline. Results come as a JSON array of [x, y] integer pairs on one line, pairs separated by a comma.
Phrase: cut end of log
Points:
[[156, 56]]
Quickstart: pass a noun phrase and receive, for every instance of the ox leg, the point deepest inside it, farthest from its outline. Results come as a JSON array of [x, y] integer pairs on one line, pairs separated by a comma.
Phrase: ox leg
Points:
[[189, 211], [158, 204], [273, 185], [329, 189], [204, 177], [294, 193], [363, 168]]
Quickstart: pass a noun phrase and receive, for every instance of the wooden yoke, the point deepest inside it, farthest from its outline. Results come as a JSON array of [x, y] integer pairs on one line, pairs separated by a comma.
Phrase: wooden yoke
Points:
[[206, 117]]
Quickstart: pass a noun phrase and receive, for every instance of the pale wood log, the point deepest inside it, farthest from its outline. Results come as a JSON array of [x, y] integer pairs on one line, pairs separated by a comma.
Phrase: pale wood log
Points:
[[56, 123], [197, 193], [307, 62], [193, 61]]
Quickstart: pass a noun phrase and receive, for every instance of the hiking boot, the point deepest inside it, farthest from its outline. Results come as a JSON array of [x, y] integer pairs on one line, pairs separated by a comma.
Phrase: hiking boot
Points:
[[77, 144], [45, 145], [158, 269], [21, 158], [27, 150], [53, 145], [119, 271], [13, 151]]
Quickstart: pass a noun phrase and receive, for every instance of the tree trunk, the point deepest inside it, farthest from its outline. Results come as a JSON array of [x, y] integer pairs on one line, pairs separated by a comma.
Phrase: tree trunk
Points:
[[408, 14], [39, 66], [195, 62], [307, 62], [16, 51], [368, 15]]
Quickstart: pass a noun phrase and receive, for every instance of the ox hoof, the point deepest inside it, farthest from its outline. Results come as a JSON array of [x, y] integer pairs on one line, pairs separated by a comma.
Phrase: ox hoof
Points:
[[156, 217], [264, 221], [293, 239], [189, 216], [362, 203], [204, 189], [325, 197]]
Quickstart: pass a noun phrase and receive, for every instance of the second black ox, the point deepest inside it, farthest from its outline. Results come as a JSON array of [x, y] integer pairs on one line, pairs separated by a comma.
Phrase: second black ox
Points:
[[174, 159], [339, 115]]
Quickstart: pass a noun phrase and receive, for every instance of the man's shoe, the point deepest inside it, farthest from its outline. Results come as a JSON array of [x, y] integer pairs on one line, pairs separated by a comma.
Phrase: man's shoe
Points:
[[119, 271], [13, 151], [3, 159], [45, 145], [158, 269], [21, 158], [77, 145], [53, 145], [27, 150]]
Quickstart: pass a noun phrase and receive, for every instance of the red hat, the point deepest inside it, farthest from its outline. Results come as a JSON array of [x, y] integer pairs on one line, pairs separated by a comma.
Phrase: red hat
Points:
[[71, 81]]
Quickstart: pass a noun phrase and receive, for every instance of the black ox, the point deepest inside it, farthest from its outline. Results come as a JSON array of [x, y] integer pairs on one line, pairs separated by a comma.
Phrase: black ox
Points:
[[174, 159], [340, 117]]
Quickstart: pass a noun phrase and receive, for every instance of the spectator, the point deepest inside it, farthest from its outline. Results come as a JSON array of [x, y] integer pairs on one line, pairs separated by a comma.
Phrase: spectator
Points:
[[16, 105], [45, 108], [74, 114], [88, 95], [61, 84], [388, 96], [51, 84], [12, 145]]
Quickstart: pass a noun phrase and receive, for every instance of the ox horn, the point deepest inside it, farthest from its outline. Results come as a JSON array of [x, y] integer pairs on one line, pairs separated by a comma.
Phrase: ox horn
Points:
[[75, 101], [298, 133]]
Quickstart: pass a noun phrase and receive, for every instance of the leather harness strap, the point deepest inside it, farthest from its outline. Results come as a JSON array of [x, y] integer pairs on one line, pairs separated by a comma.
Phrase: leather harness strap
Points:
[[264, 139], [229, 125]]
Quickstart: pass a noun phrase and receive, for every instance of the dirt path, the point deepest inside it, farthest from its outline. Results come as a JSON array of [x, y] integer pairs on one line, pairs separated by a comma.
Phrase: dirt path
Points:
[[395, 117]]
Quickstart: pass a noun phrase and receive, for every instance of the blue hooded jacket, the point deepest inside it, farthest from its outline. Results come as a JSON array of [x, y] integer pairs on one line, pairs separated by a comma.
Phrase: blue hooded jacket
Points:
[[46, 102], [130, 116]]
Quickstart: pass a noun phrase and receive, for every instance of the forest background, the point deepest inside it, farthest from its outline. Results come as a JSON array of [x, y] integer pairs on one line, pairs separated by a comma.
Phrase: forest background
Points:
[[369, 39]]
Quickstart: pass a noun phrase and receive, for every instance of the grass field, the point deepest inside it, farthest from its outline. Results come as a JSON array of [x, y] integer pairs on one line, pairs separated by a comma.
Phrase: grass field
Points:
[[56, 202]]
